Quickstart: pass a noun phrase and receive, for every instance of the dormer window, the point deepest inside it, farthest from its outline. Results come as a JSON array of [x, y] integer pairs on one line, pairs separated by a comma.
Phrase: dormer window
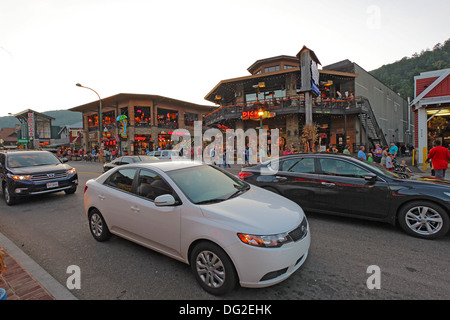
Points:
[[271, 69], [286, 66]]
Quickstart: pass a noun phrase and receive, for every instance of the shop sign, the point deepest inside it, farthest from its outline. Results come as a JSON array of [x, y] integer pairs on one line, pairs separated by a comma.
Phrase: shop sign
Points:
[[254, 115], [93, 136], [315, 75], [176, 132], [31, 125]]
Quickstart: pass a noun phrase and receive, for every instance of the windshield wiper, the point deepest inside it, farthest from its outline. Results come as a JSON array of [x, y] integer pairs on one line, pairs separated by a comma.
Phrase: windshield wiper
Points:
[[234, 194], [210, 201], [239, 190]]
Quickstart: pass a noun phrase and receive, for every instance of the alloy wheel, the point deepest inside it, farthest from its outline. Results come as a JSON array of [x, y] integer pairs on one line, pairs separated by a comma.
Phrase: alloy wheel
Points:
[[96, 225], [424, 220], [7, 195], [210, 269], [9, 199]]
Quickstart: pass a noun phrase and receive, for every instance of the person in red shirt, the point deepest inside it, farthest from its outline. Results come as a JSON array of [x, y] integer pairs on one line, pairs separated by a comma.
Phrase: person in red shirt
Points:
[[439, 157]]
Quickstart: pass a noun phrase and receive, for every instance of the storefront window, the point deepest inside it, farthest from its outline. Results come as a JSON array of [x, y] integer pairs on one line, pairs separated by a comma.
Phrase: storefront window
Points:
[[142, 116], [251, 97], [93, 122], [142, 143], [165, 141], [190, 118], [124, 111], [43, 130], [167, 118], [108, 118]]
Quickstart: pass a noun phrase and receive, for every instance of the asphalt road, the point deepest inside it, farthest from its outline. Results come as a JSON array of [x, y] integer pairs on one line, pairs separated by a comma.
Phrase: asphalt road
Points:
[[53, 231]]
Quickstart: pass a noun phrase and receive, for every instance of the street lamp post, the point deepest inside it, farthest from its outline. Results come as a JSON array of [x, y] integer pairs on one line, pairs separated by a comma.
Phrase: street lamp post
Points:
[[100, 118], [260, 114]]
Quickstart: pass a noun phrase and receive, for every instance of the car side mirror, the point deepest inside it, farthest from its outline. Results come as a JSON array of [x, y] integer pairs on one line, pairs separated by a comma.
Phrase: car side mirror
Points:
[[64, 160], [370, 177], [165, 200]]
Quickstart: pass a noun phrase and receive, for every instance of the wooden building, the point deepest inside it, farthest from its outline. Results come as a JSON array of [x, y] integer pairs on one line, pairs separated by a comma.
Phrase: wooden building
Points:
[[147, 122]]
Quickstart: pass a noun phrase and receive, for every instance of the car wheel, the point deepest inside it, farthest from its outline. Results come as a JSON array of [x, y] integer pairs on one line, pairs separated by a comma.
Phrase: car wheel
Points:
[[71, 190], [424, 219], [98, 227], [9, 199], [213, 269]]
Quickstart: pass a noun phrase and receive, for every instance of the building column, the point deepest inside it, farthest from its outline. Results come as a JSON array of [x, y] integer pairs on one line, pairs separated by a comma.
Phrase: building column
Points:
[[422, 133], [292, 131]]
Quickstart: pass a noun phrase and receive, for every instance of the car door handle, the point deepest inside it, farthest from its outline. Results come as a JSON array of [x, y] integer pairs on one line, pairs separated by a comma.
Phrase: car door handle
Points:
[[135, 209], [280, 178], [328, 184], [101, 197]]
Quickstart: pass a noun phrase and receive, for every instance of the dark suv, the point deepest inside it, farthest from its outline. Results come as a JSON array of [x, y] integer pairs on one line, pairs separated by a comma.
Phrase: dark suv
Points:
[[25, 173]]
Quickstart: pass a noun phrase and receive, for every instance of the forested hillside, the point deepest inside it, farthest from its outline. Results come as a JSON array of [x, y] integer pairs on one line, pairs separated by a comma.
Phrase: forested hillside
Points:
[[399, 76], [62, 118]]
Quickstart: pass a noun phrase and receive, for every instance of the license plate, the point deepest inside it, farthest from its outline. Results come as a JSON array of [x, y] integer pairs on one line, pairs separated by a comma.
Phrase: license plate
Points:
[[52, 184]]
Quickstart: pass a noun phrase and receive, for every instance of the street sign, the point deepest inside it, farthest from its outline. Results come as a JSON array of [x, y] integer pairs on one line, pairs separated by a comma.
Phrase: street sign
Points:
[[22, 140]]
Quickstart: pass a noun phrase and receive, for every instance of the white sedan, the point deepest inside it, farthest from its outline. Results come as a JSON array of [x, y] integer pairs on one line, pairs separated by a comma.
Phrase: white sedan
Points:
[[228, 231]]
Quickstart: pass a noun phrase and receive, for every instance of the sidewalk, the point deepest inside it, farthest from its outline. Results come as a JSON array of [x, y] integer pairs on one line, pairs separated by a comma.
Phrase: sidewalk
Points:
[[418, 169], [19, 284], [24, 279]]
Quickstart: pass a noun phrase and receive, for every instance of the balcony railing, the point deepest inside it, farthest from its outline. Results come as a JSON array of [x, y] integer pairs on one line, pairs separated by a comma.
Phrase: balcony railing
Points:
[[294, 104]]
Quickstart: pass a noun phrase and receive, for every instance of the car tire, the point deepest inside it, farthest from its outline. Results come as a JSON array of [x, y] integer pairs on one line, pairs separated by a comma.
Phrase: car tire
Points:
[[71, 190], [97, 225], [213, 269], [424, 220], [9, 199]]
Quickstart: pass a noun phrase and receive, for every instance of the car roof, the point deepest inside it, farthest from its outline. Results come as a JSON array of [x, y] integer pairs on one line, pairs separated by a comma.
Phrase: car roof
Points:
[[318, 154], [170, 165], [23, 151]]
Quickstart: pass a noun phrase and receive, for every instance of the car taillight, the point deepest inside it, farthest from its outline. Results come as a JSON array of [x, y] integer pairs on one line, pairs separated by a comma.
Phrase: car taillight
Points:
[[243, 175], [85, 188]]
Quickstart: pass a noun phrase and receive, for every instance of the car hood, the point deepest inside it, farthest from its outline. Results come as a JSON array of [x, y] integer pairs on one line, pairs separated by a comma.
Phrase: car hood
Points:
[[41, 169], [425, 179], [256, 211]]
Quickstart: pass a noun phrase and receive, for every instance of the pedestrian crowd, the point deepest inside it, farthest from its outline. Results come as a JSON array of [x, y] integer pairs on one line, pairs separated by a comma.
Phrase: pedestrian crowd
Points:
[[100, 155]]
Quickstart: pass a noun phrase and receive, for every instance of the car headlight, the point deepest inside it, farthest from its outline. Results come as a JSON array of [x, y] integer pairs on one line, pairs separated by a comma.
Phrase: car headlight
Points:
[[270, 241], [70, 171], [19, 177]]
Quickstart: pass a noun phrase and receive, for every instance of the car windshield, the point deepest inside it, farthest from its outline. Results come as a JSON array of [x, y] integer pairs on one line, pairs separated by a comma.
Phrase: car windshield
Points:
[[19, 160], [206, 184], [148, 158]]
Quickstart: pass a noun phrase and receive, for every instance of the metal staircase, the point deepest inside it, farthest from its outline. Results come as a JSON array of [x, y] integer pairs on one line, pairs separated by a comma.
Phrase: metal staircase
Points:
[[367, 117]]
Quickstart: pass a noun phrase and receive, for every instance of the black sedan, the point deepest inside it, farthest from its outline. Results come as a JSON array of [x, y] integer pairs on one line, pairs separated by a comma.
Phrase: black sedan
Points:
[[343, 185], [127, 160]]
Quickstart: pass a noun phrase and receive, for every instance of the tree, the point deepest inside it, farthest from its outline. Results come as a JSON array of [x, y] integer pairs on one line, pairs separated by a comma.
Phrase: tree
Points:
[[309, 137], [399, 76]]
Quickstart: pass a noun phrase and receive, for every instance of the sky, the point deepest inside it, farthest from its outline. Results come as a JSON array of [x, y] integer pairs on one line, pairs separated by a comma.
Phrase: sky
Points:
[[182, 48]]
